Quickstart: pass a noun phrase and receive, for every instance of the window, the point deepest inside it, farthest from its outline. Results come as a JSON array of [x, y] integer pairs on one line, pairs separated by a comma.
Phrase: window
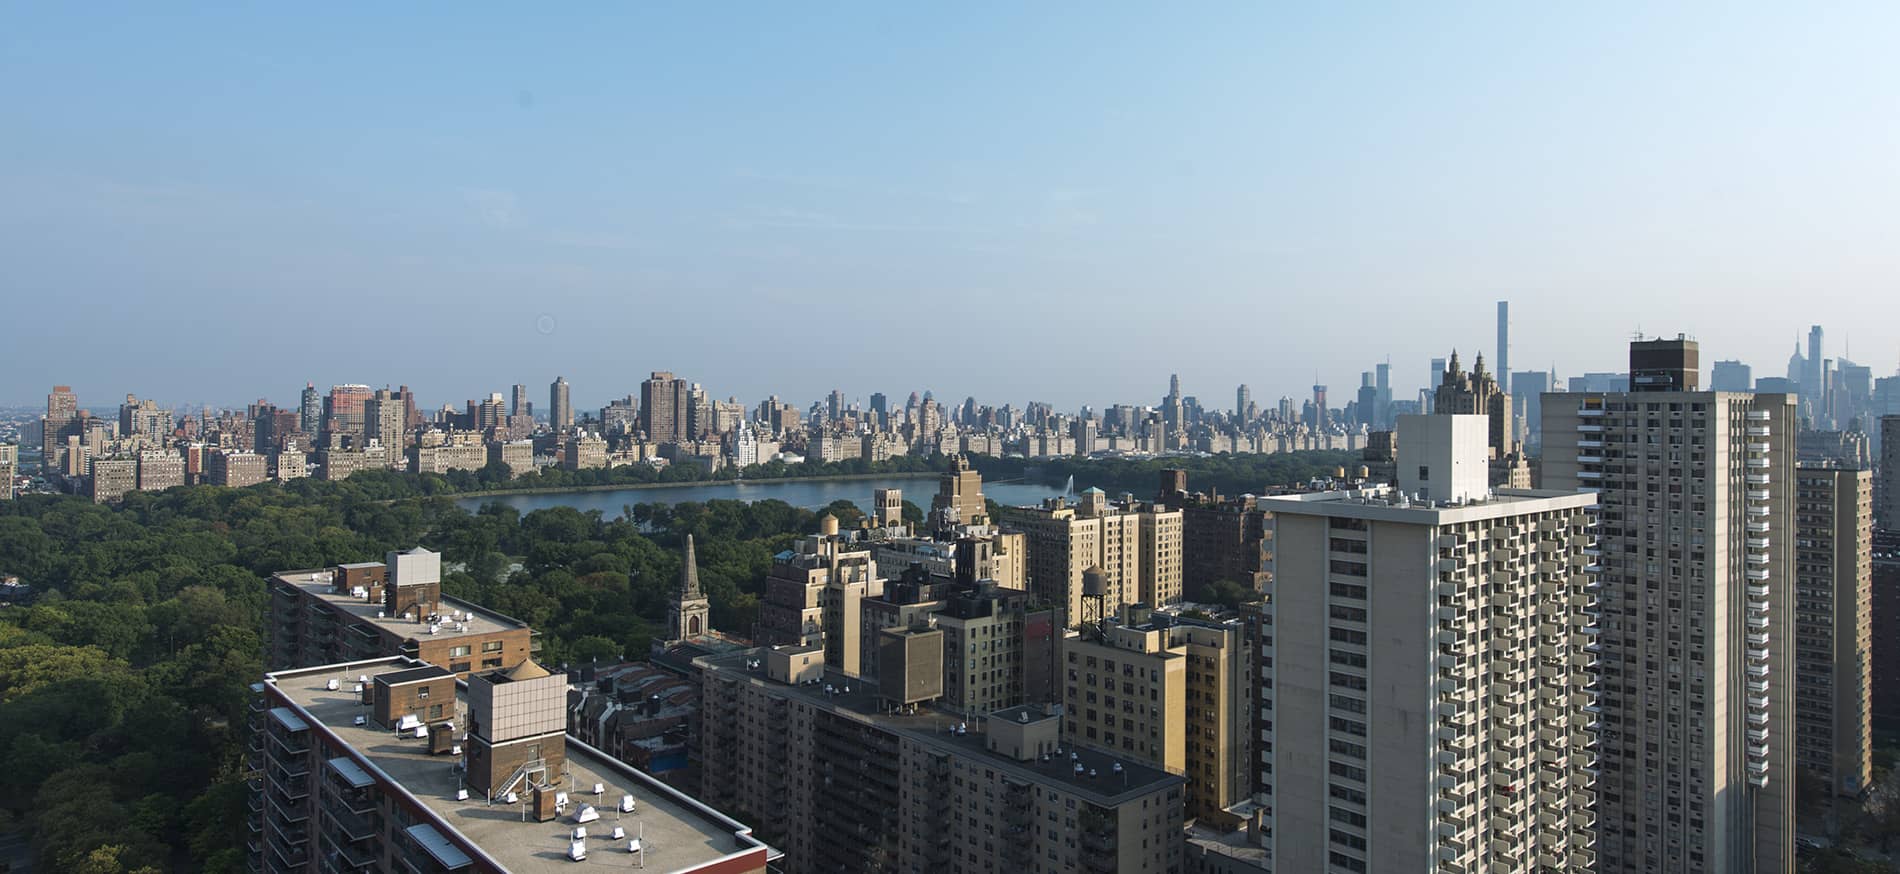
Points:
[[458, 651], [422, 692], [1424, 473], [491, 646]]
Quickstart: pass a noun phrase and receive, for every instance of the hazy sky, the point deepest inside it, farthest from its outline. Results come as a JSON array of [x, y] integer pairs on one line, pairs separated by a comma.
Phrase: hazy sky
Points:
[[1042, 201]]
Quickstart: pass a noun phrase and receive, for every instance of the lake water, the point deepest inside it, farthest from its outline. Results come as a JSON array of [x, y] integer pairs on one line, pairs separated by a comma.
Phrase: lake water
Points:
[[798, 493]]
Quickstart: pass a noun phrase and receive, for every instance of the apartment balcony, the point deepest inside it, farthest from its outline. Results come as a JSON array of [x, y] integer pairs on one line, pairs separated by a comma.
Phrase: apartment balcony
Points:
[[1589, 459], [1758, 735], [1589, 444], [1758, 464], [1758, 528], [1589, 474], [1757, 574], [1758, 671], [1590, 412], [1757, 479], [1758, 704], [1758, 512], [1756, 430], [1760, 495], [1757, 766], [1757, 639], [1758, 685]]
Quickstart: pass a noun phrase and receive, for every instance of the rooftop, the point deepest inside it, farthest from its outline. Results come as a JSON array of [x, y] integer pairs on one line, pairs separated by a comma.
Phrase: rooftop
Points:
[[1089, 773], [473, 620], [1388, 504], [677, 830]]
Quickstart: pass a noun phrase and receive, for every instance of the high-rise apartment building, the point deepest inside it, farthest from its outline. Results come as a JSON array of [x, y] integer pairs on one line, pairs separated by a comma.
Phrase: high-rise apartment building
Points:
[[665, 404], [1243, 401], [518, 404], [383, 765], [842, 782], [111, 478], [1222, 539], [814, 595], [160, 469], [959, 499], [1133, 549], [62, 420], [374, 609], [1833, 609], [1887, 513], [560, 408], [1426, 683], [343, 412], [1698, 533], [235, 469], [1884, 649], [1169, 691], [385, 419]]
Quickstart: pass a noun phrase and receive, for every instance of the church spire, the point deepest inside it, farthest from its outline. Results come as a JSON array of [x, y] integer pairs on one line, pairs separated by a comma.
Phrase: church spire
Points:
[[689, 572]]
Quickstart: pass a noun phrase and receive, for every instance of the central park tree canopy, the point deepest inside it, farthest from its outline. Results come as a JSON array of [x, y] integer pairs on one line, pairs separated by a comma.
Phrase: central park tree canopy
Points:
[[124, 685]]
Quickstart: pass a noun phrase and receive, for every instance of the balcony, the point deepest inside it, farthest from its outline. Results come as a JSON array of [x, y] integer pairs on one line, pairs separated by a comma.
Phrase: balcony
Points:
[[1758, 528], [1589, 474], [1589, 412], [1757, 574], [1757, 621], [1758, 512], [1758, 671], [1757, 639], [1759, 495], [1756, 430], [1759, 703], [1589, 444], [1758, 685], [1589, 459], [1758, 464]]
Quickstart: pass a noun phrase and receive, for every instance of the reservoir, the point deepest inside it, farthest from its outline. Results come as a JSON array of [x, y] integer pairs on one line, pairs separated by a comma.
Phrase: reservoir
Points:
[[810, 494]]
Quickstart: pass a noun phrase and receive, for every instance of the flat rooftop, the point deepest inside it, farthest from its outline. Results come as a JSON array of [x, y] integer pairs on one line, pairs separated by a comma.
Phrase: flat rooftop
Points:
[[1105, 785], [1389, 505], [477, 621], [678, 832]]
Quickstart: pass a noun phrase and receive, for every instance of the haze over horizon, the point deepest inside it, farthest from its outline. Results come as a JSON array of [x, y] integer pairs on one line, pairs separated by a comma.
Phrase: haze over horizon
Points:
[[1015, 204]]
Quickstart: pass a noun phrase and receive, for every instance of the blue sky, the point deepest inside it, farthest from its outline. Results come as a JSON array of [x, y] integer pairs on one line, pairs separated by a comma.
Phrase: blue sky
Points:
[[1061, 202]]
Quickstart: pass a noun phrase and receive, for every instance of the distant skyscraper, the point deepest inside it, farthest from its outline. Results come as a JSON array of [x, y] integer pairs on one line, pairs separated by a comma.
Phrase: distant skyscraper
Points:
[[1504, 346], [1698, 615], [1319, 407], [1243, 398], [880, 409], [1889, 506], [310, 413], [1731, 376], [1383, 416], [1832, 639], [1813, 381], [518, 403], [665, 402], [1429, 393], [560, 409], [834, 406]]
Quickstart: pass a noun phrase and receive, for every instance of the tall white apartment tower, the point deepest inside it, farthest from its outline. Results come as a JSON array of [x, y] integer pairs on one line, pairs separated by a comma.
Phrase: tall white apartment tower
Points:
[[1427, 683], [1697, 500]]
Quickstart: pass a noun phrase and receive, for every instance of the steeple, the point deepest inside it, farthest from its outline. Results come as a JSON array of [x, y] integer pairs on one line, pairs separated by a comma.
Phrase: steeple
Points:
[[690, 614], [689, 573]]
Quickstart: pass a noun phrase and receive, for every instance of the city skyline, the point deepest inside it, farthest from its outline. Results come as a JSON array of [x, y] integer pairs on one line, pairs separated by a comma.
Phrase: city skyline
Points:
[[1211, 396], [687, 187]]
